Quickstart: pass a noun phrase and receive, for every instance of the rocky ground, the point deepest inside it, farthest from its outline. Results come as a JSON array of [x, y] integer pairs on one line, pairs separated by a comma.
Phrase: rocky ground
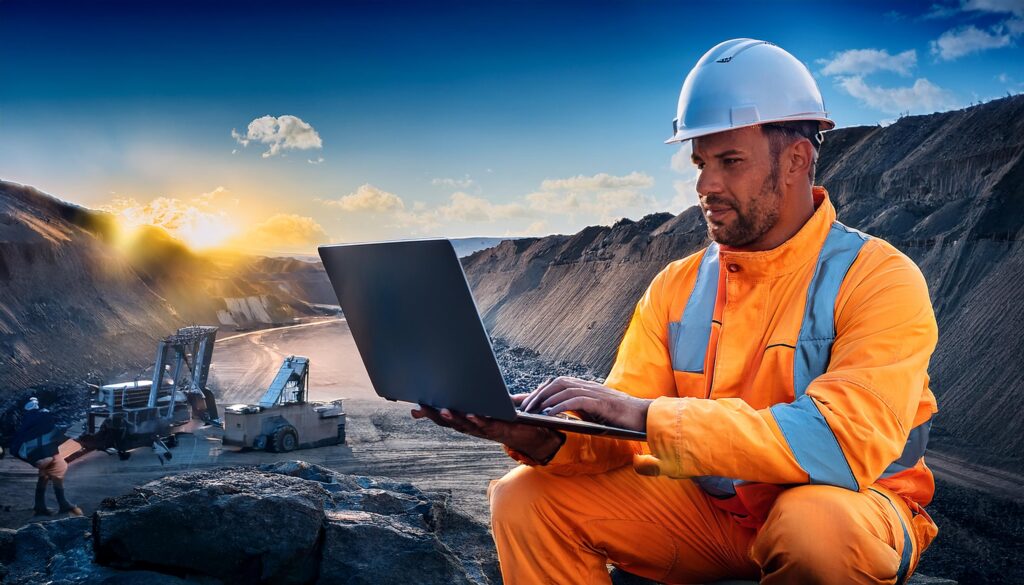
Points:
[[288, 522], [979, 539]]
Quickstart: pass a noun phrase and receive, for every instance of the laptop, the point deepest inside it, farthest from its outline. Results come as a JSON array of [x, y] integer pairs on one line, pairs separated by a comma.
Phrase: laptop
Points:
[[419, 333]]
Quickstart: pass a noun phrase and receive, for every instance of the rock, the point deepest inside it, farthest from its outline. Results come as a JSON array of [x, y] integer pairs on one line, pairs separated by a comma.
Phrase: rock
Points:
[[6, 545], [242, 526], [291, 522], [38, 551], [365, 548]]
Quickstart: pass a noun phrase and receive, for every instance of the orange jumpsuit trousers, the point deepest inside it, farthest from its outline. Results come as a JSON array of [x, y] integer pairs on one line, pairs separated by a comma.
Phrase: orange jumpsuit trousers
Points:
[[564, 529]]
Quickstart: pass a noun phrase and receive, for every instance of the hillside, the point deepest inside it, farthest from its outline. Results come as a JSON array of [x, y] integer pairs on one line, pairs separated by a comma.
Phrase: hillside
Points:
[[947, 189], [76, 304]]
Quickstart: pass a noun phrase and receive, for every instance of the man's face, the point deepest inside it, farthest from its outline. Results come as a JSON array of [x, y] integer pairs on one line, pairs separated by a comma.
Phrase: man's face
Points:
[[738, 185]]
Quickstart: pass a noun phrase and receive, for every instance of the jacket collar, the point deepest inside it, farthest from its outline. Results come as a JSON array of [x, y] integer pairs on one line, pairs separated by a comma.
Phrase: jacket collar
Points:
[[792, 254]]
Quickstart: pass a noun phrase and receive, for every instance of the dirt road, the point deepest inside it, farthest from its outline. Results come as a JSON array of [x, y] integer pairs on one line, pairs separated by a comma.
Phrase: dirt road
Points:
[[382, 439]]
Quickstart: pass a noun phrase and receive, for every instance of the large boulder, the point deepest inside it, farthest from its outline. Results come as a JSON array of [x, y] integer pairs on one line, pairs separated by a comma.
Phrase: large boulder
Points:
[[291, 522], [239, 525]]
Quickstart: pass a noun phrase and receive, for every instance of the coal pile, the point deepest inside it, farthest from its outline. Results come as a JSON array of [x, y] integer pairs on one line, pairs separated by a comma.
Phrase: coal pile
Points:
[[524, 369]]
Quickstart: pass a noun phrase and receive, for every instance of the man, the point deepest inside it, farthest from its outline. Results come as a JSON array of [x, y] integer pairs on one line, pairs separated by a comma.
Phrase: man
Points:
[[36, 442], [780, 375]]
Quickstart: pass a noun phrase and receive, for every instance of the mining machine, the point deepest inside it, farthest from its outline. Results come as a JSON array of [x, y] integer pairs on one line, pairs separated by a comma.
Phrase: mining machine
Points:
[[284, 419], [127, 415]]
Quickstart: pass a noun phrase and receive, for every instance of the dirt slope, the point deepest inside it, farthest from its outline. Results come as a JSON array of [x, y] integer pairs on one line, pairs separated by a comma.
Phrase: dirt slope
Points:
[[63, 294], [75, 305]]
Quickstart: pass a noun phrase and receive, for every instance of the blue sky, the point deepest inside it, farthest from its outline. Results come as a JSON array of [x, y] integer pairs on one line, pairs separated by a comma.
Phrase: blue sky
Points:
[[390, 120]]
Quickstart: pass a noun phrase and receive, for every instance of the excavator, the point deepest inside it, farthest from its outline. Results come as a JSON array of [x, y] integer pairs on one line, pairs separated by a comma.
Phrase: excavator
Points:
[[284, 420], [127, 415]]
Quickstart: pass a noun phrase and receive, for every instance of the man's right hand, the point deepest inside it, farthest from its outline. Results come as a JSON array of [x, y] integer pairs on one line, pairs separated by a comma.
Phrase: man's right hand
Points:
[[537, 443]]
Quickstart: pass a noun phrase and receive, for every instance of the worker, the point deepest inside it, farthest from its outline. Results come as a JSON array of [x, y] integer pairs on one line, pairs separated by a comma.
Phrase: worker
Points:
[[37, 442], [780, 375]]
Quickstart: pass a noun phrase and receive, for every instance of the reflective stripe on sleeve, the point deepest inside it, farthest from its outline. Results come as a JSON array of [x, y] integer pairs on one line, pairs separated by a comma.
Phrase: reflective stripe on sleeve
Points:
[[813, 444]]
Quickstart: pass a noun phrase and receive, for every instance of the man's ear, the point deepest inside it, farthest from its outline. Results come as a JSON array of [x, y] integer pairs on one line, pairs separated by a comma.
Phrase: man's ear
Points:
[[797, 161]]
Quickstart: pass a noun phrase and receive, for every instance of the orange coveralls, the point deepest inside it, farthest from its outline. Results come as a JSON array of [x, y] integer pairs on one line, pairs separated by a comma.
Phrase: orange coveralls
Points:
[[786, 438]]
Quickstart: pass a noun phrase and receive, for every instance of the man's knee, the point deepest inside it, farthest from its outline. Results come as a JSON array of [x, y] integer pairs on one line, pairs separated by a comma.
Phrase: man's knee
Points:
[[817, 534], [517, 498]]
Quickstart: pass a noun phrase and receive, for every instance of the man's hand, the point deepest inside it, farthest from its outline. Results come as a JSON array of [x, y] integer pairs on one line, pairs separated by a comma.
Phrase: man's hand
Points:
[[537, 443], [590, 400]]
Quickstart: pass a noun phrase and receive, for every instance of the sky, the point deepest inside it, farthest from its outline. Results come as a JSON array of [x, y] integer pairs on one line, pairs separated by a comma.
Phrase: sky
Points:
[[278, 126]]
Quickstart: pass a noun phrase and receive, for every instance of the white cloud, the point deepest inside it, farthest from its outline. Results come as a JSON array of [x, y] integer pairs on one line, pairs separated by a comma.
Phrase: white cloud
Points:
[[923, 97], [367, 198], [604, 197], [559, 204], [1015, 7], [598, 182], [464, 183], [464, 207], [201, 221], [965, 40], [939, 11], [682, 160], [282, 133], [318, 160], [537, 228], [460, 209], [686, 186], [865, 61], [283, 231], [239, 139], [686, 195]]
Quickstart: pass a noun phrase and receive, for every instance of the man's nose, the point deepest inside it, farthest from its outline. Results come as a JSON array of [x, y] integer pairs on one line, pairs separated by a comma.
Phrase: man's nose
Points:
[[709, 181]]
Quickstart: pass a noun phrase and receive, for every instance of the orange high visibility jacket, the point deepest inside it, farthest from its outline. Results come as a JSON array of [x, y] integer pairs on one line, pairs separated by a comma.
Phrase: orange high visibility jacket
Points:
[[802, 364]]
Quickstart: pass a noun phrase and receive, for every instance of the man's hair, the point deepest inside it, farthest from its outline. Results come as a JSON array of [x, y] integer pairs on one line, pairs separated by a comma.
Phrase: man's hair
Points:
[[782, 134]]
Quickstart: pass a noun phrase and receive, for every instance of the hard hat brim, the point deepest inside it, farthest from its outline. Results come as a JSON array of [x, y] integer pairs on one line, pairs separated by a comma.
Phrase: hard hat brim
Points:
[[684, 134]]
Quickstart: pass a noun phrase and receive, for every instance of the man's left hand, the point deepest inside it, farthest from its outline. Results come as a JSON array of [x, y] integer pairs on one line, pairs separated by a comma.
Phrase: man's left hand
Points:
[[591, 401]]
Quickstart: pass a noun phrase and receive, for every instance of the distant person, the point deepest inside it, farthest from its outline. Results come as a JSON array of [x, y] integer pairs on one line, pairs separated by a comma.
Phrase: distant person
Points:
[[780, 375], [37, 442]]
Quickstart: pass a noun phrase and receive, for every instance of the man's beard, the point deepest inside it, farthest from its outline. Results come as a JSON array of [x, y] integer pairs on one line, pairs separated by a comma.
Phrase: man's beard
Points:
[[753, 221]]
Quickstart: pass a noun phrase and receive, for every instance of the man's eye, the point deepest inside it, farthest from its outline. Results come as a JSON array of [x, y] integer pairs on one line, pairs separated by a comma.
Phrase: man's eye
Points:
[[700, 166], [731, 161]]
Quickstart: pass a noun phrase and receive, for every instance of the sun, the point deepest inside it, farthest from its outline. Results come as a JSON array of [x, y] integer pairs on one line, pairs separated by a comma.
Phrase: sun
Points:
[[200, 227]]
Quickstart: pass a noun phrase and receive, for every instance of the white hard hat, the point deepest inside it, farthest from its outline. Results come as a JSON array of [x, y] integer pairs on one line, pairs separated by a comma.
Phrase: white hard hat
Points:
[[744, 82]]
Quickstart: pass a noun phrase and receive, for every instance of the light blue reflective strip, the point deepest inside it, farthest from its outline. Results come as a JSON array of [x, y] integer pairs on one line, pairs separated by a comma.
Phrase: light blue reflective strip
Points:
[[913, 451], [818, 330], [813, 443], [908, 545], [719, 487], [688, 338]]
